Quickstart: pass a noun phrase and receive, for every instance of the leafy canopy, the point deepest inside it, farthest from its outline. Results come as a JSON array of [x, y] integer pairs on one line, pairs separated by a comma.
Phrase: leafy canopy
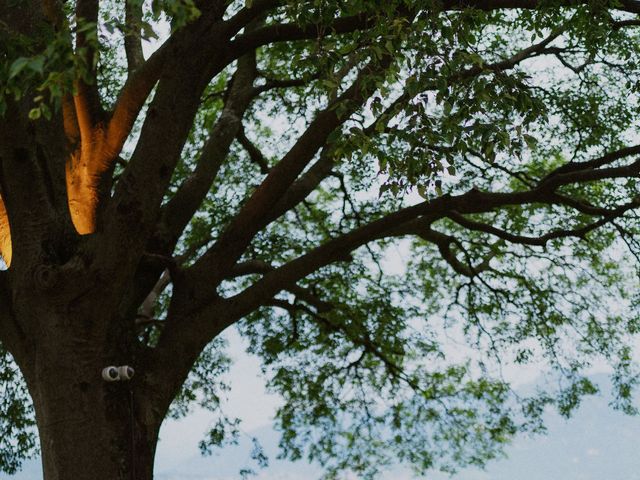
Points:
[[491, 151]]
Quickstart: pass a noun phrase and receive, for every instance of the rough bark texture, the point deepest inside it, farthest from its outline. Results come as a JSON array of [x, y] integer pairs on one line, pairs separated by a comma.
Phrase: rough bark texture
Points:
[[62, 323], [88, 428], [65, 328]]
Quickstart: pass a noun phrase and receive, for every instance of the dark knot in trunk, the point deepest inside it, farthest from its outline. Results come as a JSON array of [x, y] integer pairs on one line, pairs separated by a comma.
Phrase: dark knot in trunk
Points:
[[45, 277]]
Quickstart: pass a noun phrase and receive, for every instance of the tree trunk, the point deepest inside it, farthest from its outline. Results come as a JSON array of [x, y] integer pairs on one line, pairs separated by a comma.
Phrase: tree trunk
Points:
[[89, 428], [66, 318], [93, 433]]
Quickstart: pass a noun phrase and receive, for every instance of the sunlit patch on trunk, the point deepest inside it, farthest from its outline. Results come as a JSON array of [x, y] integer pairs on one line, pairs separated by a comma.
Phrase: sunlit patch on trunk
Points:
[[84, 171], [5, 234], [82, 194]]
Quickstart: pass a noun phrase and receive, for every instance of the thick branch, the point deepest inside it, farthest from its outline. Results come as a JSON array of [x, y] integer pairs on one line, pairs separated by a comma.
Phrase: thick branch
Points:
[[290, 31], [191, 329], [617, 25], [258, 266], [596, 162], [195, 59], [100, 144], [70, 121], [473, 201], [306, 184], [88, 105], [632, 6], [192, 192], [142, 185], [133, 96], [590, 175], [255, 213]]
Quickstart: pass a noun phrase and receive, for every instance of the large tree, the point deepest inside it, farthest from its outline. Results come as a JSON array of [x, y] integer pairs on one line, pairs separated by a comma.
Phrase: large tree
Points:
[[260, 167]]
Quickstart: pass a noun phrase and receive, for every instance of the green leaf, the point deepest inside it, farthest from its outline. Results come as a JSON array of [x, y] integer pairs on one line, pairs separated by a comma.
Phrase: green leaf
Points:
[[34, 114], [148, 31], [532, 142], [17, 66], [37, 64]]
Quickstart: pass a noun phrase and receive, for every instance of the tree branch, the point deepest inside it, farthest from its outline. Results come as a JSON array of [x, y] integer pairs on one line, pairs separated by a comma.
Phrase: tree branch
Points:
[[87, 97], [133, 96], [258, 266], [272, 84], [542, 240], [444, 243], [132, 34], [246, 15], [192, 328], [617, 25], [88, 167], [632, 6], [259, 217], [148, 307], [255, 213], [54, 12], [70, 121], [6, 317], [473, 201], [422, 227], [138, 194], [362, 21], [285, 32], [254, 152], [24, 186], [178, 212], [606, 159], [303, 187], [512, 61]]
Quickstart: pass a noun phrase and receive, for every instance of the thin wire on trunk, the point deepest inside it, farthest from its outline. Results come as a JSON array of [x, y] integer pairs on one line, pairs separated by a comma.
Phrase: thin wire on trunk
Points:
[[133, 435]]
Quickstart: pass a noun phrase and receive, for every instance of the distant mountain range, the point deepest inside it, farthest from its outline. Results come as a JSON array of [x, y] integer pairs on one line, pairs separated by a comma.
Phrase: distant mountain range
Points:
[[597, 443]]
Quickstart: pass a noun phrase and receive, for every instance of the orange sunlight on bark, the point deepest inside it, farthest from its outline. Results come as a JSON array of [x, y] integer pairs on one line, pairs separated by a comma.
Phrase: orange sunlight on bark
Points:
[[5, 234], [99, 147], [82, 195]]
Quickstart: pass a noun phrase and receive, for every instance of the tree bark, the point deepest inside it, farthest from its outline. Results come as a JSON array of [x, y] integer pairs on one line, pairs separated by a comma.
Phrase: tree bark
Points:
[[63, 322], [89, 428]]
